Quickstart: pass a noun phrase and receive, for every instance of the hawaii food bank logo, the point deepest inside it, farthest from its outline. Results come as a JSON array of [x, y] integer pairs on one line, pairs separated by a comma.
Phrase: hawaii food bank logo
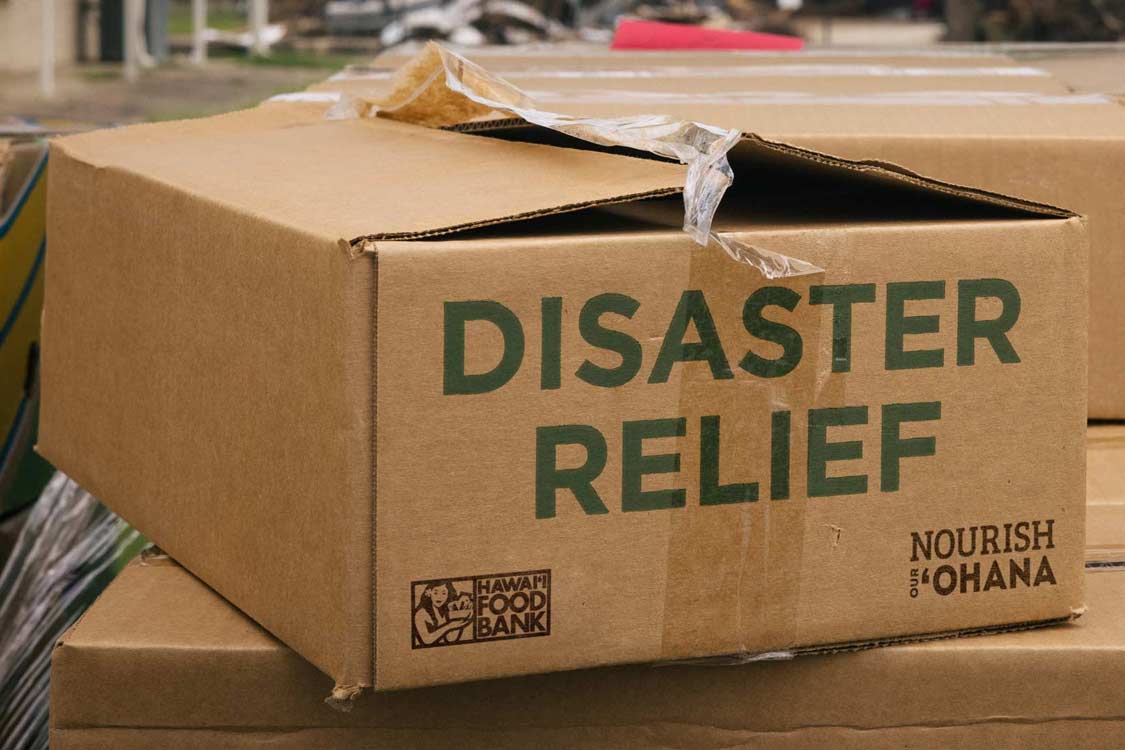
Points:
[[491, 607]]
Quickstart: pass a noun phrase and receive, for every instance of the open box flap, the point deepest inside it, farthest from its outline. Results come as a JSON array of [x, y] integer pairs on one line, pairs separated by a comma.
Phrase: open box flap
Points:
[[360, 179], [752, 152]]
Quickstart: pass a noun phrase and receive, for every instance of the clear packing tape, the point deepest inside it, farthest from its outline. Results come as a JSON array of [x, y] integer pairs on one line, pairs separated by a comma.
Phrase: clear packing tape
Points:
[[439, 88]]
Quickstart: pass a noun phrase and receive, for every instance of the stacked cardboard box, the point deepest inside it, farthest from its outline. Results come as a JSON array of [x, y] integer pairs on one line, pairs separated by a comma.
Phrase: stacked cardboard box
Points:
[[422, 388], [1105, 494], [162, 662]]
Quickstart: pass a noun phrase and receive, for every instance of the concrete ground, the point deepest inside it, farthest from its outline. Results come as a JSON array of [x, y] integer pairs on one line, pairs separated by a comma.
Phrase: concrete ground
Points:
[[99, 93]]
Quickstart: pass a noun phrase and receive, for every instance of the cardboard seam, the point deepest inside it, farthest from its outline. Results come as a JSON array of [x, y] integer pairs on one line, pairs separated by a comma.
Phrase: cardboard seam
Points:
[[1106, 566], [374, 444], [847, 647]]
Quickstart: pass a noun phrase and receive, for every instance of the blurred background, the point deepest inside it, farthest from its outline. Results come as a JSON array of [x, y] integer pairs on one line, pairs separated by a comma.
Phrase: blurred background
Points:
[[100, 61]]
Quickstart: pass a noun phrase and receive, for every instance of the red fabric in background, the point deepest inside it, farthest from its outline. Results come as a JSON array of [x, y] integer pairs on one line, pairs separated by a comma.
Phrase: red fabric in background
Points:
[[635, 34]]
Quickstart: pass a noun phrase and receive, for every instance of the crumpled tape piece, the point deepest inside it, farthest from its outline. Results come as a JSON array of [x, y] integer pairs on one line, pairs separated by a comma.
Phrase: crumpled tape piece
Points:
[[439, 88], [343, 697]]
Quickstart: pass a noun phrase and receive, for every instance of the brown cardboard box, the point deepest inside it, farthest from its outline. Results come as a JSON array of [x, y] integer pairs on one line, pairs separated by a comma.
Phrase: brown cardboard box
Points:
[[311, 394], [1083, 68], [718, 76], [653, 77], [1014, 134], [162, 663], [1105, 493]]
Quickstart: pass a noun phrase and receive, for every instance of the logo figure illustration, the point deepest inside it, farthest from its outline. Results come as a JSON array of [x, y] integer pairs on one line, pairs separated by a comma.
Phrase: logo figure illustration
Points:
[[441, 613]]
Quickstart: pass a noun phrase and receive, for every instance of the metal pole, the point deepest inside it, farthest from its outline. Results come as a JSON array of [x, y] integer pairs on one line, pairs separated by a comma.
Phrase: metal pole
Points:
[[259, 17], [129, 38], [47, 50], [198, 27]]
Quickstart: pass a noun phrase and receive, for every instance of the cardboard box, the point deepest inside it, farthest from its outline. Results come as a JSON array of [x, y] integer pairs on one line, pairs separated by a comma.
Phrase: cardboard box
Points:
[[1083, 68], [718, 77], [1105, 493], [162, 663], [430, 420], [1015, 134], [654, 77]]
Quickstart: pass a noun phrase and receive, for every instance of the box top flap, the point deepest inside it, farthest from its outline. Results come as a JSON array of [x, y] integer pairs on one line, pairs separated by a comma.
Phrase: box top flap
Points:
[[761, 164], [369, 178], [760, 150]]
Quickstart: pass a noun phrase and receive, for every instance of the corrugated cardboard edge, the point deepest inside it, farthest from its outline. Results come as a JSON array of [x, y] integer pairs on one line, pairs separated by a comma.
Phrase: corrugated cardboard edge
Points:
[[374, 339], [362, 542], [364, 244]]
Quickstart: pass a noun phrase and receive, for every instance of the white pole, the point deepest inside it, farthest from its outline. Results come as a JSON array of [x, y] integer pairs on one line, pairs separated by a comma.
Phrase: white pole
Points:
[[259, 17], [129, 38], [198, 26], [47, 50]]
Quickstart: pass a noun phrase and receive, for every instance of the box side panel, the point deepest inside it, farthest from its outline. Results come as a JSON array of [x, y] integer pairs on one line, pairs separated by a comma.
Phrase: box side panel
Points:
[[1105, 494], [191, 664], [709, 507], [1095, 734], [197, 378]]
